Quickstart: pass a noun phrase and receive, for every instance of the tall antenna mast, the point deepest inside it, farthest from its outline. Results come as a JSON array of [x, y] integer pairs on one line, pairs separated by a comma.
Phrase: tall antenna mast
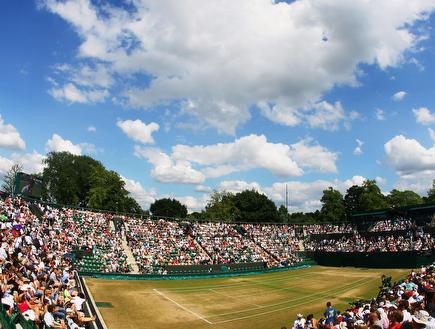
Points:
[[286, 197]]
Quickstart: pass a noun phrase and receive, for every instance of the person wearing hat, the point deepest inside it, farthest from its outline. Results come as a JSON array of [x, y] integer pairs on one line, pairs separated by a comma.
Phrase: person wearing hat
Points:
[[420, 320], [299, 322]]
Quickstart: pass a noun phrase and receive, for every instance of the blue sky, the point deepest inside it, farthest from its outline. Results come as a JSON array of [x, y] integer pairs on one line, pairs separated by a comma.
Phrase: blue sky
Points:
[[185, 97]]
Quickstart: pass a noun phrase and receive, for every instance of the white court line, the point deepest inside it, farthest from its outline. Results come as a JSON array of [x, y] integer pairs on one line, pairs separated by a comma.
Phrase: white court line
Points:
[[241, 284], [233, 297], [287, 307], [182, 307], [324, 292]]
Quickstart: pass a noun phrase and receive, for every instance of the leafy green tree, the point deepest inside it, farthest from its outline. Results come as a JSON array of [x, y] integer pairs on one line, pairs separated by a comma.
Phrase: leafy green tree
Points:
[[352, 200], [431, 194], [221, 207], [167, 207], [255, 207], [372, 197], [9, 179], [283, 214], [82, 181], [333, 209], [398, 198]]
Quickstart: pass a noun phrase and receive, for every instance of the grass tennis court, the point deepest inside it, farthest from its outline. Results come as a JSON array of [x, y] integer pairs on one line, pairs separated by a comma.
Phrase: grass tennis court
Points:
[[266, 301]]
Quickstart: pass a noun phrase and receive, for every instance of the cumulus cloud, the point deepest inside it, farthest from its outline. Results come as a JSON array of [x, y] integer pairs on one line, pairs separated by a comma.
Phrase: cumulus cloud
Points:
[[380, 114], [71, 93], [92, 129], [193, 164], [10, 137], [5, 165], [358, 148], [431, 134], [399, 95], [166, 170], [254, 151], [407, 156], [138, 130], [424, 116], [279, 56], [319, 115], [32, 162], [143, 197], [58, 144], [84, 84]]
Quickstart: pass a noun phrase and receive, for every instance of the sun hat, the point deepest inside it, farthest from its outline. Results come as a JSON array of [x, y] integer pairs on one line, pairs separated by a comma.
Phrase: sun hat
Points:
[[421, 317], [299, 315]]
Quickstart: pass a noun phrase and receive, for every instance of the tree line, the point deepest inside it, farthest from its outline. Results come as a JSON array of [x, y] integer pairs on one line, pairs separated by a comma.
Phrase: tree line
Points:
[[81, 181]]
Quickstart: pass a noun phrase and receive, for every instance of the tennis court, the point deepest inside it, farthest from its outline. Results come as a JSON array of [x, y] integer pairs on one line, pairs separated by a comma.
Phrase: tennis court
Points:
[[256, 301]]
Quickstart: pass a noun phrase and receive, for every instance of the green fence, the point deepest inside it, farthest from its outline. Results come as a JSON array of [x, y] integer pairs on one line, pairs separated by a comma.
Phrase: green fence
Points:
[[405, 259], [191, 275]]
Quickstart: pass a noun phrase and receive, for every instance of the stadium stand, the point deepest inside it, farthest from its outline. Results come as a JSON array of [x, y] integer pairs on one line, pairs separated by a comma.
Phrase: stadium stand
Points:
[[42, 246]]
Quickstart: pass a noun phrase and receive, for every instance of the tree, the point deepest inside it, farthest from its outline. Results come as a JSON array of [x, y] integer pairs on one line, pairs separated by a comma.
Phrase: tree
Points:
[[372, 197], [364, 198], [398, 198], [333, 209], [82, 181], [255, 207], [10, 178], [431, 194], [221, 207], [352, 200], [168, 208], [283, 214]]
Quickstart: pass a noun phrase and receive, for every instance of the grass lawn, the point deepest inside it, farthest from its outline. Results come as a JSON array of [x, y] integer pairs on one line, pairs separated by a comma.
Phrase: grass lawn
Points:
[[267, 301]]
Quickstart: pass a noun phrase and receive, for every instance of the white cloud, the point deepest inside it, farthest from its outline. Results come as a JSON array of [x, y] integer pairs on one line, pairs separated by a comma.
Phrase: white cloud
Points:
[[399, 95], [358, 148], [407, 156], [380, 114], [32, 162], [381, 180], [166, 170], [5, 165], [10, 137], [254, 151], [319, 115], [57, 144], [424, 116], [236, 186], [245, 153], [192, 203], [85, 84], [431, 134], [92, 129], [278, 55], [143, 197], [138, 131], [71, 93], [203, 189]]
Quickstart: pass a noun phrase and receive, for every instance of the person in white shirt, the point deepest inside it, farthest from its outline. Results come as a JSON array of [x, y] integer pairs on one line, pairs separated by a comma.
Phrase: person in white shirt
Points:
[[299, 322]]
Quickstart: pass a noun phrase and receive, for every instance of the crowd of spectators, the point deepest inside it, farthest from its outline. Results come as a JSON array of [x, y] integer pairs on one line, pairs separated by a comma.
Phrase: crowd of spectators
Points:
[[398, 224], [157, 243], [407, 304], [328, 229], [87, 231], [381, 243], [36, 280], [225, 245], [279, 240]]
